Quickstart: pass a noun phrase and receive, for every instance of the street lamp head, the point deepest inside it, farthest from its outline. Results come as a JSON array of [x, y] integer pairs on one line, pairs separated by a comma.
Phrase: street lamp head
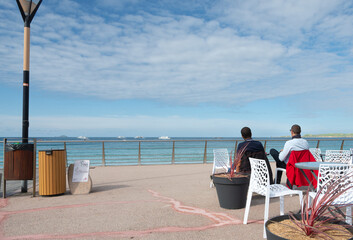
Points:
[[28, 9], [28, 6]]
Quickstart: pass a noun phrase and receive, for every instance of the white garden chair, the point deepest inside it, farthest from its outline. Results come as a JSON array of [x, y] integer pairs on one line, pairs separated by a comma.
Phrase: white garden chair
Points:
[[220, 161], [316, 152], [260, 184], [338, 156], [280, 170], [331, 172]]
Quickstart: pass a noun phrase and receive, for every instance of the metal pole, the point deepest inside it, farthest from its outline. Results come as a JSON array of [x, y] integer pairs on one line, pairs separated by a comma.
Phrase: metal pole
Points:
[[173, 153], [103, 154], [27, 13], [235, 148], [205, 153], [3, 177], [25, 110], [34, 166], [139, 156], [342, 144]]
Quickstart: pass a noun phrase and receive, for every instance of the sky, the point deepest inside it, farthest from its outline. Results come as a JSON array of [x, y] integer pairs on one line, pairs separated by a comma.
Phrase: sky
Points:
[[197, 68]]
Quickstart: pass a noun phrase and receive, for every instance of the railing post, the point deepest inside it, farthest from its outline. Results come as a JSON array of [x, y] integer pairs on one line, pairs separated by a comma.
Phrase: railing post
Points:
[[103, 154], [66, 154], [235, 148], [139, 160], [265, 145], [173, 153], [34, 166], [205, 153], [318, 144], [3, 175], [342, 144]]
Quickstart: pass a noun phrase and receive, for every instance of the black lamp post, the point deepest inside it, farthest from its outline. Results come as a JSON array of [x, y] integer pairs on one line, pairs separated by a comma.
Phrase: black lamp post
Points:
[[28, 9]]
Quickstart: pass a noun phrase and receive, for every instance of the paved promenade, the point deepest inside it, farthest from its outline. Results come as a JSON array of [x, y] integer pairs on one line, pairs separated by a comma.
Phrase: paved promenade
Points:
[[135, 202]]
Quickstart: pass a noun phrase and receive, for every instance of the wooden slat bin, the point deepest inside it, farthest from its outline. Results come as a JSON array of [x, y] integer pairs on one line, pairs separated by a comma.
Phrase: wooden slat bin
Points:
[[18, 164], [52, 172]]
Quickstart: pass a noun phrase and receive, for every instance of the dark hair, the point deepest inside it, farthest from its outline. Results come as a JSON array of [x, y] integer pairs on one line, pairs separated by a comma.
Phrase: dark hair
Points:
[[245, 132], [296, 129]]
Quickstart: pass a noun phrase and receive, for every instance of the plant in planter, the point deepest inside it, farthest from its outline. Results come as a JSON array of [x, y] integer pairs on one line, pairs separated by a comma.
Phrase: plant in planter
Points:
[[322, 218], [232, 186]]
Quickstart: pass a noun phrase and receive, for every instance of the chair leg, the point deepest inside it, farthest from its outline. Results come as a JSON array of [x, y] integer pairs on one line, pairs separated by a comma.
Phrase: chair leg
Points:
[[247, 208], [281, 205], [267, 206]]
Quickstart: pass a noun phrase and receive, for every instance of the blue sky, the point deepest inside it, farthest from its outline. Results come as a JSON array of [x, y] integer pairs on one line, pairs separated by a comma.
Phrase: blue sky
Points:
[[179, 68]]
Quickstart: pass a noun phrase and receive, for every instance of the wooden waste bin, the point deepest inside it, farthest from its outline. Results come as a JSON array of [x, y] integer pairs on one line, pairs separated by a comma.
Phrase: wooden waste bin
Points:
[[18, 164], [52, 172]]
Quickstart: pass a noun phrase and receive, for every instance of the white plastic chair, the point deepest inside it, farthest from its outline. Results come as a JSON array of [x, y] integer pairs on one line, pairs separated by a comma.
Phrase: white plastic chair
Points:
[[338, 156], [281, 170], [220, 161], [331, 172], [260, 184], [316, 152]]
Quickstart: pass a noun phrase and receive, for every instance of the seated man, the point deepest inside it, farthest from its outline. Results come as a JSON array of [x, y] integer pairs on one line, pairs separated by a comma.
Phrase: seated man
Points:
[[253, 149], [295, 144]]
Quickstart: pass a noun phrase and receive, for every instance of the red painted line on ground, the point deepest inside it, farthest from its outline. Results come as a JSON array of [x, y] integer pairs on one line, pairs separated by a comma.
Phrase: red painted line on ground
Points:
[[219, 219]]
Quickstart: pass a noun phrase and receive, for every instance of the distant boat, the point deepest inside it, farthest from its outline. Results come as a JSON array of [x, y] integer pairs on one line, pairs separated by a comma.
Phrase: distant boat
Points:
[[82, 137], [164, 137], [138, 137], [120, 137]]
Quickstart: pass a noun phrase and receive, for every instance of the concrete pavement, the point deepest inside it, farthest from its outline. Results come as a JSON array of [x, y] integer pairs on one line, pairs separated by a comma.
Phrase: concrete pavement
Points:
[[135, 202]]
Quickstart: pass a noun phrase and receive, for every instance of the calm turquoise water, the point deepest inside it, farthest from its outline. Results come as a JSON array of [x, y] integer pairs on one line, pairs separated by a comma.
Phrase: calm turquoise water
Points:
[[155, 151]]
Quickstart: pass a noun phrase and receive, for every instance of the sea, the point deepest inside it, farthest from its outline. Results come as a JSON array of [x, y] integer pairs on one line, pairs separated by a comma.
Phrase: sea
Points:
[[111, 151]]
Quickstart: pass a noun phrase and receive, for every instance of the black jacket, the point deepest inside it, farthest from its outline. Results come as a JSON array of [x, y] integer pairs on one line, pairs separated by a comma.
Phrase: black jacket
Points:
[[245, 163]]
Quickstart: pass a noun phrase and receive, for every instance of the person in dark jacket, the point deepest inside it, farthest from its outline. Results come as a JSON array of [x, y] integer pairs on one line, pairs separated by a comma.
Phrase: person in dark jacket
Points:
[[253, 149]]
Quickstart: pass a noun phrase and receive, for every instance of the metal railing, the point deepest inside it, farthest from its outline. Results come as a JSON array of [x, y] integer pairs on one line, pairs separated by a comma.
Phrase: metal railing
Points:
[[145, 152]]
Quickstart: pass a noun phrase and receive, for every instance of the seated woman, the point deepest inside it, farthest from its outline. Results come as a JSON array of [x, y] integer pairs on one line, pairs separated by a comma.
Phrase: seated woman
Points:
[[251, 148]]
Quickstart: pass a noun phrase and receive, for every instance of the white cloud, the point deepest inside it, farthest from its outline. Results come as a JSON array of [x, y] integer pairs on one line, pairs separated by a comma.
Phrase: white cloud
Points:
[[257, 50], [277, 19]]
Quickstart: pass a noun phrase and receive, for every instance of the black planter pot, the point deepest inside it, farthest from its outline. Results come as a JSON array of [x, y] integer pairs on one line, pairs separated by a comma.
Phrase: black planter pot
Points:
[[272, 236], [232, 192]]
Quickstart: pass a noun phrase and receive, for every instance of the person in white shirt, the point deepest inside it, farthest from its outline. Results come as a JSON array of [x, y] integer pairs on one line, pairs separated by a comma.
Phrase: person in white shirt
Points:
[[295, 144]]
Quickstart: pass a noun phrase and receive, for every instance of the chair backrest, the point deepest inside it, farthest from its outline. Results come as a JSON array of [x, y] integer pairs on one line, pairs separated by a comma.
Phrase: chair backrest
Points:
[[220, 160], [294, 175], [259, 178], [338, 156], [316, 152], [329, 173]]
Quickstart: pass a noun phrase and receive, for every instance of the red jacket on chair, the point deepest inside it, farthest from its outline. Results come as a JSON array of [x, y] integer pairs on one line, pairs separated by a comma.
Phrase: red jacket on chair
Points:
[[294, 174]]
